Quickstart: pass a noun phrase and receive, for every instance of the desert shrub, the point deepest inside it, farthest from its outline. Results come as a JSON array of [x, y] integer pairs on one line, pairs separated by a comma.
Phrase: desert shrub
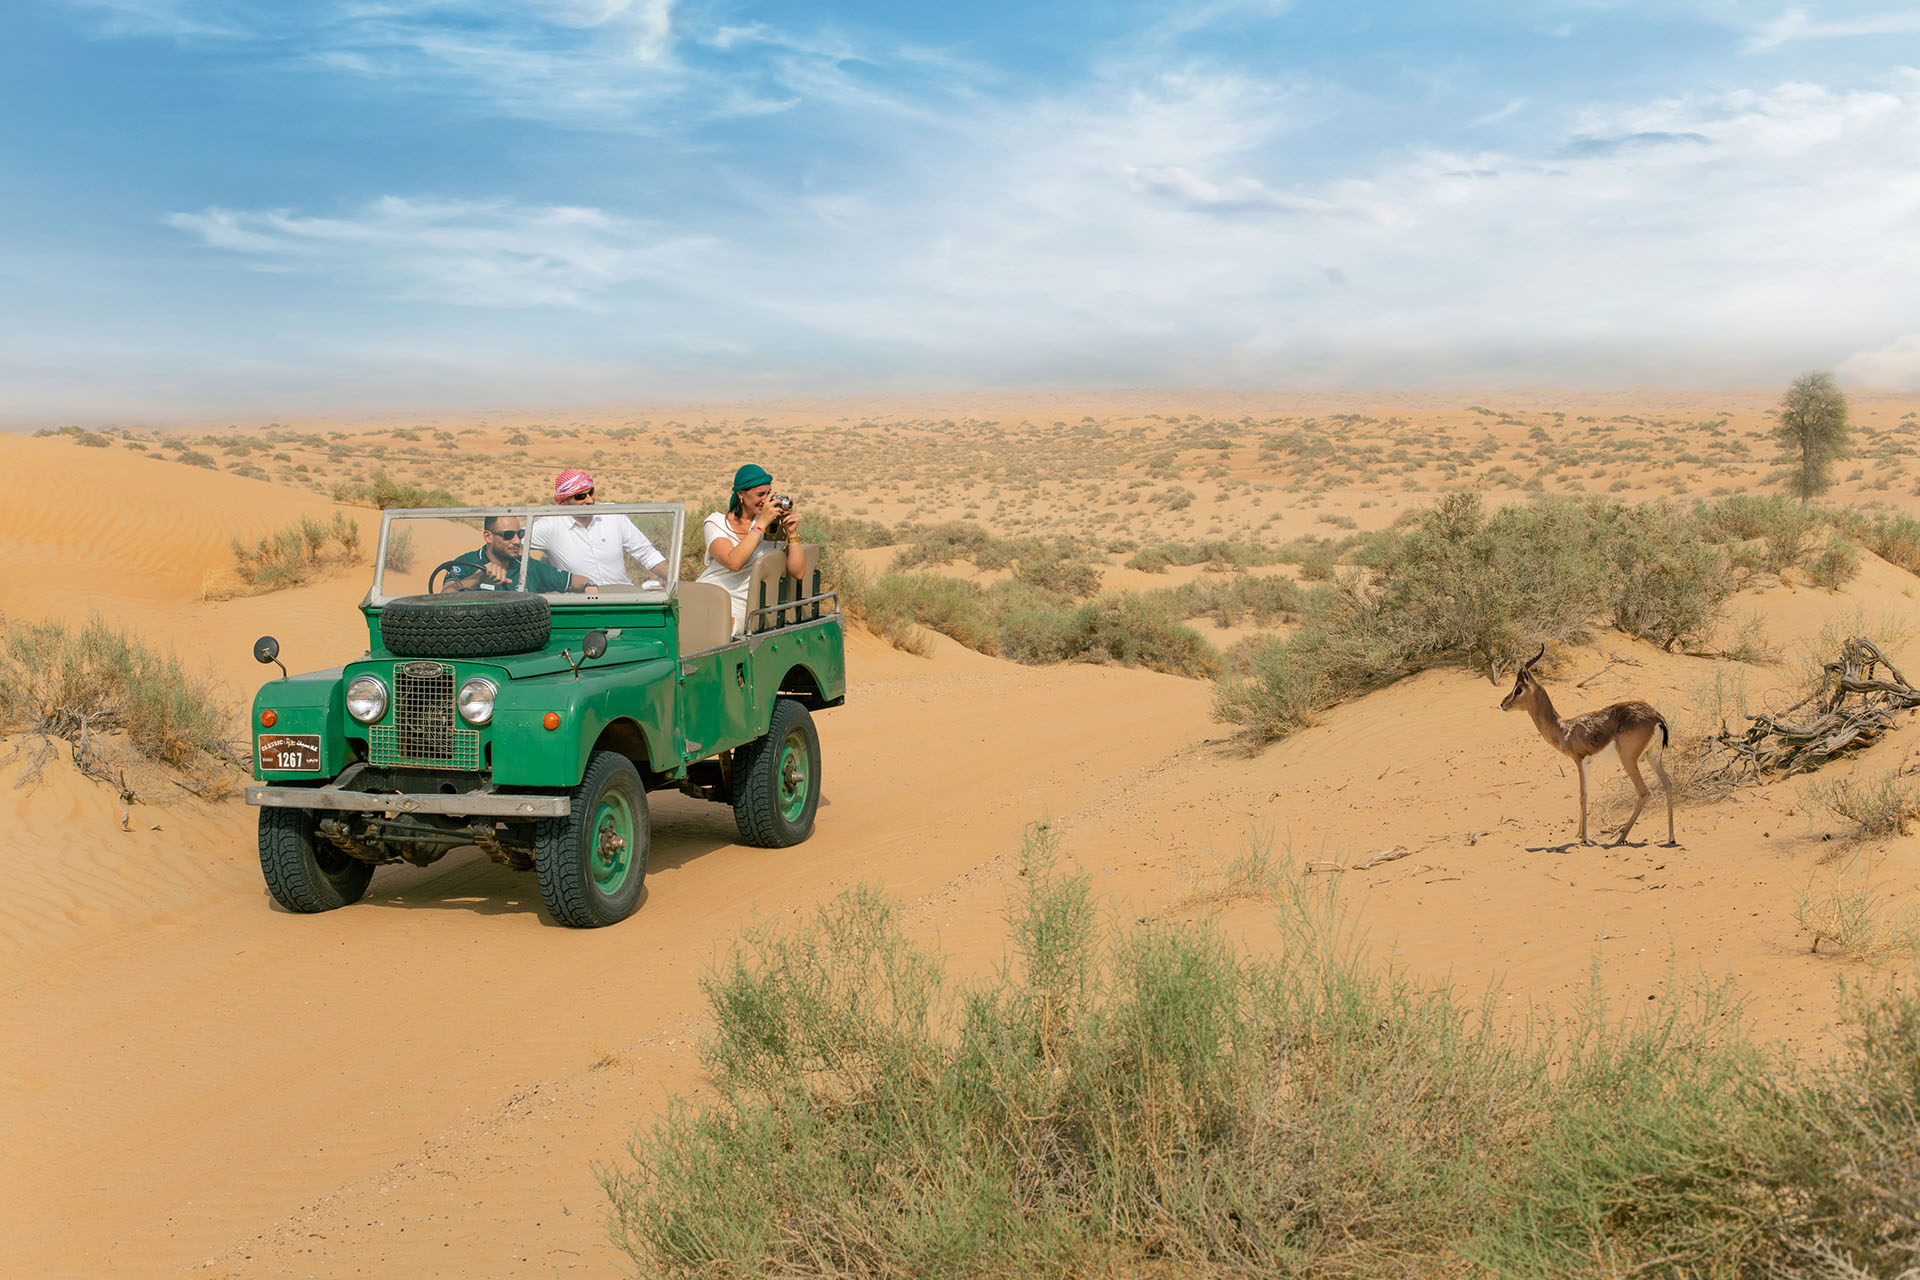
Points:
[[1149, 1099], [1836, 565], [1036, 627], [887, 617], [1215, 554], [1272, 695], [314, 534], [1059, 572], [848, 531], [383, 491], [1453, 583], [194, 458], [1874, 806], [1669, 585], [1849, 912], [1785, 531], [56, 679], [955, 540], [290, 556], [1895, 539], [1136, 630], [1236, 598], [346, 532], [938, 603], [400, 549]]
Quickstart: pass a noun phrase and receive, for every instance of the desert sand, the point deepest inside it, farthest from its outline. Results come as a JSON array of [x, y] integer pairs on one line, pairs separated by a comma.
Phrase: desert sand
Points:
[[196, 1082]]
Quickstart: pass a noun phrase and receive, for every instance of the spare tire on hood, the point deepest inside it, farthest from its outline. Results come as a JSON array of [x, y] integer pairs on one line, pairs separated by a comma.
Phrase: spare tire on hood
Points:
[[469, 624]]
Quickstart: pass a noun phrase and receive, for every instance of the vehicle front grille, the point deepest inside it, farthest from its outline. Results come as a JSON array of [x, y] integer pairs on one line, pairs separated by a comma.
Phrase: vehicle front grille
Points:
[[424, 729]]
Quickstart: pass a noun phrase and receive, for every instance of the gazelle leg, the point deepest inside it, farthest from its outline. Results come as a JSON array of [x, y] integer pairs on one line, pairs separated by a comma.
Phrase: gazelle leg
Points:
[[1666, 785], [1641, 791], [1581, 765]]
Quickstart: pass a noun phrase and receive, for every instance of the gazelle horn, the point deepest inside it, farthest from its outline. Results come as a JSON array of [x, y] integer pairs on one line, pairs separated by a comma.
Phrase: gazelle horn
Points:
[[1528, 664]]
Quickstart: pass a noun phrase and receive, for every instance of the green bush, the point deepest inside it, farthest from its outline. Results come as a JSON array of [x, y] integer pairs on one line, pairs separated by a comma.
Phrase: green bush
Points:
[[938, 603], [1136, 630], [296, 553], [1453, 583], [1835, 566], [1060, 572], [1151, 1100], [55, 679], [383, 491], [1668, 584]]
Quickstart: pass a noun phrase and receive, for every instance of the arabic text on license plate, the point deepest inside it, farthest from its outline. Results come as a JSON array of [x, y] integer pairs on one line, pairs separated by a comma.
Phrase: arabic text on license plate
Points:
[[290, 752]]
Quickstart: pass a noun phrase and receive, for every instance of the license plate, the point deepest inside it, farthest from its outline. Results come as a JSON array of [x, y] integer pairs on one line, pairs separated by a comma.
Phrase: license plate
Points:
[[290, 752]]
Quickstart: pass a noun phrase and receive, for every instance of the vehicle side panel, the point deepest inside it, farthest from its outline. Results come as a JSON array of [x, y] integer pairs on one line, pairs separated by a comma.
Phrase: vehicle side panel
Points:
[[308, 704]]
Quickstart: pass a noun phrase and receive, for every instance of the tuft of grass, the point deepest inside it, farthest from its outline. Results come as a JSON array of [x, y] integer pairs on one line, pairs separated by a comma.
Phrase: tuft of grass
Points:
[[1876, 805], [287, 557], [67, 682], [1845, 908]]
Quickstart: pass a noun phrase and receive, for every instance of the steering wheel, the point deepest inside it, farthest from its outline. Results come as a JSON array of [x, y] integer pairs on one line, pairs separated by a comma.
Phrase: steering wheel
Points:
[[445, 567]]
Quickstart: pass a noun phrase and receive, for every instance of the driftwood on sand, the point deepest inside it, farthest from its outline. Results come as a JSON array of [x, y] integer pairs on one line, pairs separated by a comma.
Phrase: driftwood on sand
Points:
[[1860, 697]]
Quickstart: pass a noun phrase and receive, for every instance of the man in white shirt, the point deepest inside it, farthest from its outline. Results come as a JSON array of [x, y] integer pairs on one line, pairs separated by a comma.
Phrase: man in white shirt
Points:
[[596, 547]]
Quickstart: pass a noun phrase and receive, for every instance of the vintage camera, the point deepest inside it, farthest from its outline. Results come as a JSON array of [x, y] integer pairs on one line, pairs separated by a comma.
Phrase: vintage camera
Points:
[[781, 501]]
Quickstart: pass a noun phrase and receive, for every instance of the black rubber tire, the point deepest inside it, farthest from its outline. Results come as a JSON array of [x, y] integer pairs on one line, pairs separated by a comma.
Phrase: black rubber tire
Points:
[[304, 873], [468, 625], [564, 848], [757, 778]]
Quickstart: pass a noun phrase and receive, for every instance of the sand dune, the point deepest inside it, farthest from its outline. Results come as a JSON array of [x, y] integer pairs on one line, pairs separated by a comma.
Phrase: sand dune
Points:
[[198, 1082]]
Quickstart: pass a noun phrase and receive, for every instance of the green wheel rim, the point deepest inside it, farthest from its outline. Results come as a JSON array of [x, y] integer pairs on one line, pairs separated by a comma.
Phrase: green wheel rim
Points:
[[796, 778], [610, 843]]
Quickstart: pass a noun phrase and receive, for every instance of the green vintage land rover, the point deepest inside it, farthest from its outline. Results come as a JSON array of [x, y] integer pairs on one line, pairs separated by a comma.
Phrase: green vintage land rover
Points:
[[532, 724]]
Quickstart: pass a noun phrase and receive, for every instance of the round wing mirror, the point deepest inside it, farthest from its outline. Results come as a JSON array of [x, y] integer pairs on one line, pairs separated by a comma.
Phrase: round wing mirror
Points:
[[266, 649], [593, 644]]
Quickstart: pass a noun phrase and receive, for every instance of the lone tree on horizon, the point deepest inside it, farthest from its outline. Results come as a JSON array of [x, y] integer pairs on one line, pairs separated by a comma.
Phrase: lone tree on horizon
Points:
[[1813, 429]]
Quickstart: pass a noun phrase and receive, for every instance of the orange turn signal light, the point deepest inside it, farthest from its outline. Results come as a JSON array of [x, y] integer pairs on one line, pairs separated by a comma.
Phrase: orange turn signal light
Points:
[[268, 718], [551, 720]]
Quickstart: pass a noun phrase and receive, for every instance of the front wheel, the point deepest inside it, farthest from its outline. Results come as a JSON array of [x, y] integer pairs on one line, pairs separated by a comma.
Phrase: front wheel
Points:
[[303, 872], [776, 780], [592, 863]]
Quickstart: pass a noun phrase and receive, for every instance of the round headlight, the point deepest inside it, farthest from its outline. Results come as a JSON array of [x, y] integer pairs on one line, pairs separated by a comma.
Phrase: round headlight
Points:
[[476, 700], [366, 699]]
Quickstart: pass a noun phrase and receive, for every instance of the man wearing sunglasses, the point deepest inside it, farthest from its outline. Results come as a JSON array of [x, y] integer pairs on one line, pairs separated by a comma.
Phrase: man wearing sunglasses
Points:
[[496, 565], [596, 546]]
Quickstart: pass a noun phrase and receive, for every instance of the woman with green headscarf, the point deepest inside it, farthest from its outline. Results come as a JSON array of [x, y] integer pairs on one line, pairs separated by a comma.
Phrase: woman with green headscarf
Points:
[[750, 529]]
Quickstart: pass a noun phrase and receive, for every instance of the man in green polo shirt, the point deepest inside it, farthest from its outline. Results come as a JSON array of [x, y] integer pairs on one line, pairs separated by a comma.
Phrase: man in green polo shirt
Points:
[[496, 565]]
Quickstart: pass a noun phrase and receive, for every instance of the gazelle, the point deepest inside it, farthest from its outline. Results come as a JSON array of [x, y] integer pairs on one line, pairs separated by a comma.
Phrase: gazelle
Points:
[[1628, 727]]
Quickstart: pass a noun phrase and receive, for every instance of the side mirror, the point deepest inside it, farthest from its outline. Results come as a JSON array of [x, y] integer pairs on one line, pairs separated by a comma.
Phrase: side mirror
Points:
[[266, 649], [594, 644]]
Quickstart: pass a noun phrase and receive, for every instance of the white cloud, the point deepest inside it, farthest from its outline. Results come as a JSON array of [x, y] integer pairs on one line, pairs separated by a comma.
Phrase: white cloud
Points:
[[1796, 24], [1895, 365], [464, 253]]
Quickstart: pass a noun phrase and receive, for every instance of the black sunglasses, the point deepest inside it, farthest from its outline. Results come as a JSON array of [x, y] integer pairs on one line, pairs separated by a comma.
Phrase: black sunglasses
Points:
[[508, 533], [581, 496]]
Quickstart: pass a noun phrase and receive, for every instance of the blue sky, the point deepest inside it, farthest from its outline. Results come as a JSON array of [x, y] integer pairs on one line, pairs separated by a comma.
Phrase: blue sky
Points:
[[235, 208]]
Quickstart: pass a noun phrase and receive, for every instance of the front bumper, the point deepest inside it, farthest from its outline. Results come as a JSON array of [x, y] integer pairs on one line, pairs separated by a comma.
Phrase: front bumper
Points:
[[481, 804]]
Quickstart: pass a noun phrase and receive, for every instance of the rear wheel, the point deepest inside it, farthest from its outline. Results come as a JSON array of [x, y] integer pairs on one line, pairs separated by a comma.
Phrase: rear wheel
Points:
[[776, 780], [303, 872], [592, 863]]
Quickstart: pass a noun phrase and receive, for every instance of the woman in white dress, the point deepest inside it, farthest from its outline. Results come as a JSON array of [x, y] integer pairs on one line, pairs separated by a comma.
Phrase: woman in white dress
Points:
[[751, 528]]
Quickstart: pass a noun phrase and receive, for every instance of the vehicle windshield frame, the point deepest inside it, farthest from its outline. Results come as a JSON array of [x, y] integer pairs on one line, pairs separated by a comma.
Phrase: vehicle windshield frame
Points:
[[674, 512]]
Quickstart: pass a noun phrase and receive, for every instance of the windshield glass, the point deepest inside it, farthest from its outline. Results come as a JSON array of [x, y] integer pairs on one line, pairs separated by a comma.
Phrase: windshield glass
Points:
[[571, 554]]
